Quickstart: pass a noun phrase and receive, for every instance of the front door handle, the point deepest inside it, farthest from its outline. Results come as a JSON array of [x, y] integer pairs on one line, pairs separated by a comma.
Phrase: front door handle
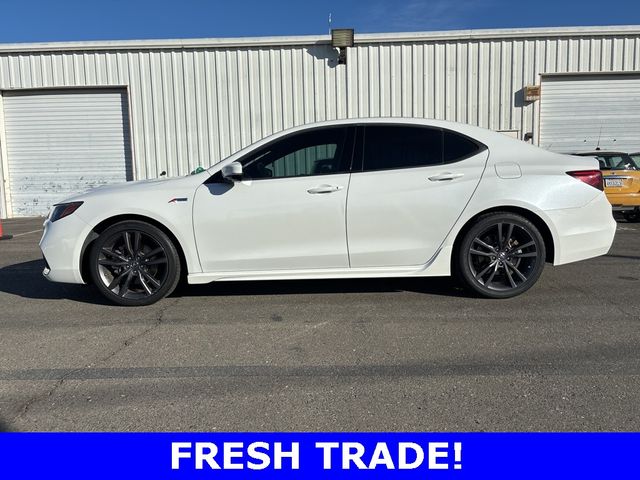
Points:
[[325, 189], [446, 176]]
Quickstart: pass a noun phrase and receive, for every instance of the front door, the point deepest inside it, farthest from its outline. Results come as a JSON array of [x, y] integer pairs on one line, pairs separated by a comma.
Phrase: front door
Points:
[[287, 212]]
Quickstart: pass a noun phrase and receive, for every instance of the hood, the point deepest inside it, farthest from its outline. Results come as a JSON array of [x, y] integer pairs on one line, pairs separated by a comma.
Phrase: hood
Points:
[[139, 186]]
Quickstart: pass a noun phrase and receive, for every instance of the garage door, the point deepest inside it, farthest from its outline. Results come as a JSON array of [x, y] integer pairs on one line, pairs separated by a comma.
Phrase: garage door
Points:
[[577, 110], [61, 142]]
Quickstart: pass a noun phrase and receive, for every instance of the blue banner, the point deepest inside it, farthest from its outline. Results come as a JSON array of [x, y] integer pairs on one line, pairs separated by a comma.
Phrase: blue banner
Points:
[[319, 455]]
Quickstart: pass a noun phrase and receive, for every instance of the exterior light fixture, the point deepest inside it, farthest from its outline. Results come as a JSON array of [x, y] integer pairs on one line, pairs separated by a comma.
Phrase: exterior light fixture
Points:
[[342, 38]]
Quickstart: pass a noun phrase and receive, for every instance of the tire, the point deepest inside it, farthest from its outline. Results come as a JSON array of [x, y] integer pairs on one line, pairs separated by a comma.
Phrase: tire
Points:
[[505, 268], [632, 216], [134, 263]]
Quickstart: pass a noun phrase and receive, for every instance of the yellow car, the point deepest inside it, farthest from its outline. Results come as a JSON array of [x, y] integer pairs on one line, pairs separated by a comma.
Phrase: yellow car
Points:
[[621, 175]]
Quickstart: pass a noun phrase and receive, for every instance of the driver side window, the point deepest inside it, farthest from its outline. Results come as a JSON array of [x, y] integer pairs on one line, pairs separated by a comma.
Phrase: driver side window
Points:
[[318, 152]]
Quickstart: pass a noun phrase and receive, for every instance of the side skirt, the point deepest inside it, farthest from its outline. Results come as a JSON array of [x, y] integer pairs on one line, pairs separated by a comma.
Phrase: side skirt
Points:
[[437, 266]]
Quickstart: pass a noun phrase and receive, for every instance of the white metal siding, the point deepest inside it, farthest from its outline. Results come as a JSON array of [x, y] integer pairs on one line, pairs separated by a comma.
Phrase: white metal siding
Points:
[[579, 111], [61, 142], [195, 102]]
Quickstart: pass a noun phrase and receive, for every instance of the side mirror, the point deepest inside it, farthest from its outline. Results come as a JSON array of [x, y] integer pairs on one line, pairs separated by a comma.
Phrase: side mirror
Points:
[[232, 172]]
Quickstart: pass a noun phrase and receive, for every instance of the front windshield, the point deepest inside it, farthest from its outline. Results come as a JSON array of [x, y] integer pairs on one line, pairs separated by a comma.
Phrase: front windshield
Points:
[[617, 162]]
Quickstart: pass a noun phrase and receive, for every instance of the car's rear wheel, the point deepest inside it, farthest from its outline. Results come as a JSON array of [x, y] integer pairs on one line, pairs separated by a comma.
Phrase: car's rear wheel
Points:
[[632, 216], [134, 263], [502, 255]]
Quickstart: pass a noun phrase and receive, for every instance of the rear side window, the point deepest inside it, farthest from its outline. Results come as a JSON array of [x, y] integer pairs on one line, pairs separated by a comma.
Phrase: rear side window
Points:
[[458, 147], [398, 146]]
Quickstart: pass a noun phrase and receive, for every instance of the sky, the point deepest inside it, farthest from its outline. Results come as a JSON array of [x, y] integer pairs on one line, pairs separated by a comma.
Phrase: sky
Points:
[[70, 20]]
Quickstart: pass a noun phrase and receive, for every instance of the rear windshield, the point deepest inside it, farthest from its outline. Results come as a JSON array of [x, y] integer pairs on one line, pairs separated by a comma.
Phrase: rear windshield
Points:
[[617, 162]]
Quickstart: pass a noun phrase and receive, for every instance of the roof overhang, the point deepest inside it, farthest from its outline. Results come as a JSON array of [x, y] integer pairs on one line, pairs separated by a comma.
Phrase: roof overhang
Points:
[[306, 40]]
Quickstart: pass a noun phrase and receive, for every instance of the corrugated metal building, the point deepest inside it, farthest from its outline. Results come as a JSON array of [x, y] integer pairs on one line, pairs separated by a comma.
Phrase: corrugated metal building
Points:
[[74, 115]]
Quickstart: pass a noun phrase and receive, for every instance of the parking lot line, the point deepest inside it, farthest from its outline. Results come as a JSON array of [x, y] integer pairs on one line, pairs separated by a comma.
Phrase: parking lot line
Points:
[[27, 233]]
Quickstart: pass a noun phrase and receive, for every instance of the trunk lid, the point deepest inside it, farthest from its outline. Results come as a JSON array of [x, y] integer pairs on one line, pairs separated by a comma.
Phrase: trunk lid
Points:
[[621, 181]]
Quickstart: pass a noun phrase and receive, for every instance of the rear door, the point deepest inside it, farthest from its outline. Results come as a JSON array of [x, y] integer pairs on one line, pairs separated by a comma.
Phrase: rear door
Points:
[[413, 184]]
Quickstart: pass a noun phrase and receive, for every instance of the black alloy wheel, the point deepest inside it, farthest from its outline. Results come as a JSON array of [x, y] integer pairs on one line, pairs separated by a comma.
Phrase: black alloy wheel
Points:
[[134, 263], [501, 255]]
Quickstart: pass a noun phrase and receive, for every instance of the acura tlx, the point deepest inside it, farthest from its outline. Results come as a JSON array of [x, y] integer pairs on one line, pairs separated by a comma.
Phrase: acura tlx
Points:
[[384, 197]]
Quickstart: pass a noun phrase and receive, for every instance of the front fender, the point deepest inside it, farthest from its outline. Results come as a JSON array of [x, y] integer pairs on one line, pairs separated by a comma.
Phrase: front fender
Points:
[[179, 222]]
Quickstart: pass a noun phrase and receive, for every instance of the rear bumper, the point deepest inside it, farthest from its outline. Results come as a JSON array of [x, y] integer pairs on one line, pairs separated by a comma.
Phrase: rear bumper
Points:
[[624, 201], [61, 246], [584, 232]]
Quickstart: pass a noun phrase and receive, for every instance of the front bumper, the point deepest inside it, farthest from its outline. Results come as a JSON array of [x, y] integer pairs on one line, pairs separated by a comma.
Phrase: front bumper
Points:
[[61, 247]]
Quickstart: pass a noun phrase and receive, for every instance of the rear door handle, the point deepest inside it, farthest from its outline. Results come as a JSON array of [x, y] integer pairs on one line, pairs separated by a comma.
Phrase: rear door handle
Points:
[[325, 189], [446, 176]]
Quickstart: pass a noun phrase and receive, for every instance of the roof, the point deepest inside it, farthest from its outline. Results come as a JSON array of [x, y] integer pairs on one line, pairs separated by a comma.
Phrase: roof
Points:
[[485, 136], [367, 38]]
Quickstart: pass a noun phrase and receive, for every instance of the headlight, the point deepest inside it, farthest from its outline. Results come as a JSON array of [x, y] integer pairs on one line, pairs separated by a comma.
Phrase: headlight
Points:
[[62, 210]]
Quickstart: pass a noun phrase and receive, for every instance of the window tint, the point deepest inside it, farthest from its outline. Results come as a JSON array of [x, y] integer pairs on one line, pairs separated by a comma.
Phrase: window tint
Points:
[[319, 152], [398, 146], [457, 147]]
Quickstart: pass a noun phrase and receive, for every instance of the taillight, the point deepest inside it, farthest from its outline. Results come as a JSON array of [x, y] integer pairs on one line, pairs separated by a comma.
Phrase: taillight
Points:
[[590, 177]]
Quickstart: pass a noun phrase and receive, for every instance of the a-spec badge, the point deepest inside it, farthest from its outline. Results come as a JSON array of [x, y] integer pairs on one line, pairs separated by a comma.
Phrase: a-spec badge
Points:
[[178, 199]]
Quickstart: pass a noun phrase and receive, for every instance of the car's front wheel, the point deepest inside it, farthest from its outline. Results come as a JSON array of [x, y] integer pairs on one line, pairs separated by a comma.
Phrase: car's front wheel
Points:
[[134, 263], [502, 255]]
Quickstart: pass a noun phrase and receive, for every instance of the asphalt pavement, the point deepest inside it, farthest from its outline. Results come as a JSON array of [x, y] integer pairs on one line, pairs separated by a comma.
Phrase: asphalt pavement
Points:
[[347, 355]]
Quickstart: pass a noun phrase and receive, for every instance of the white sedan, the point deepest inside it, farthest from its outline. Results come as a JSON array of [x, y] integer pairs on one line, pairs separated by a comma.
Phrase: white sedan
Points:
[[357, 198]]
